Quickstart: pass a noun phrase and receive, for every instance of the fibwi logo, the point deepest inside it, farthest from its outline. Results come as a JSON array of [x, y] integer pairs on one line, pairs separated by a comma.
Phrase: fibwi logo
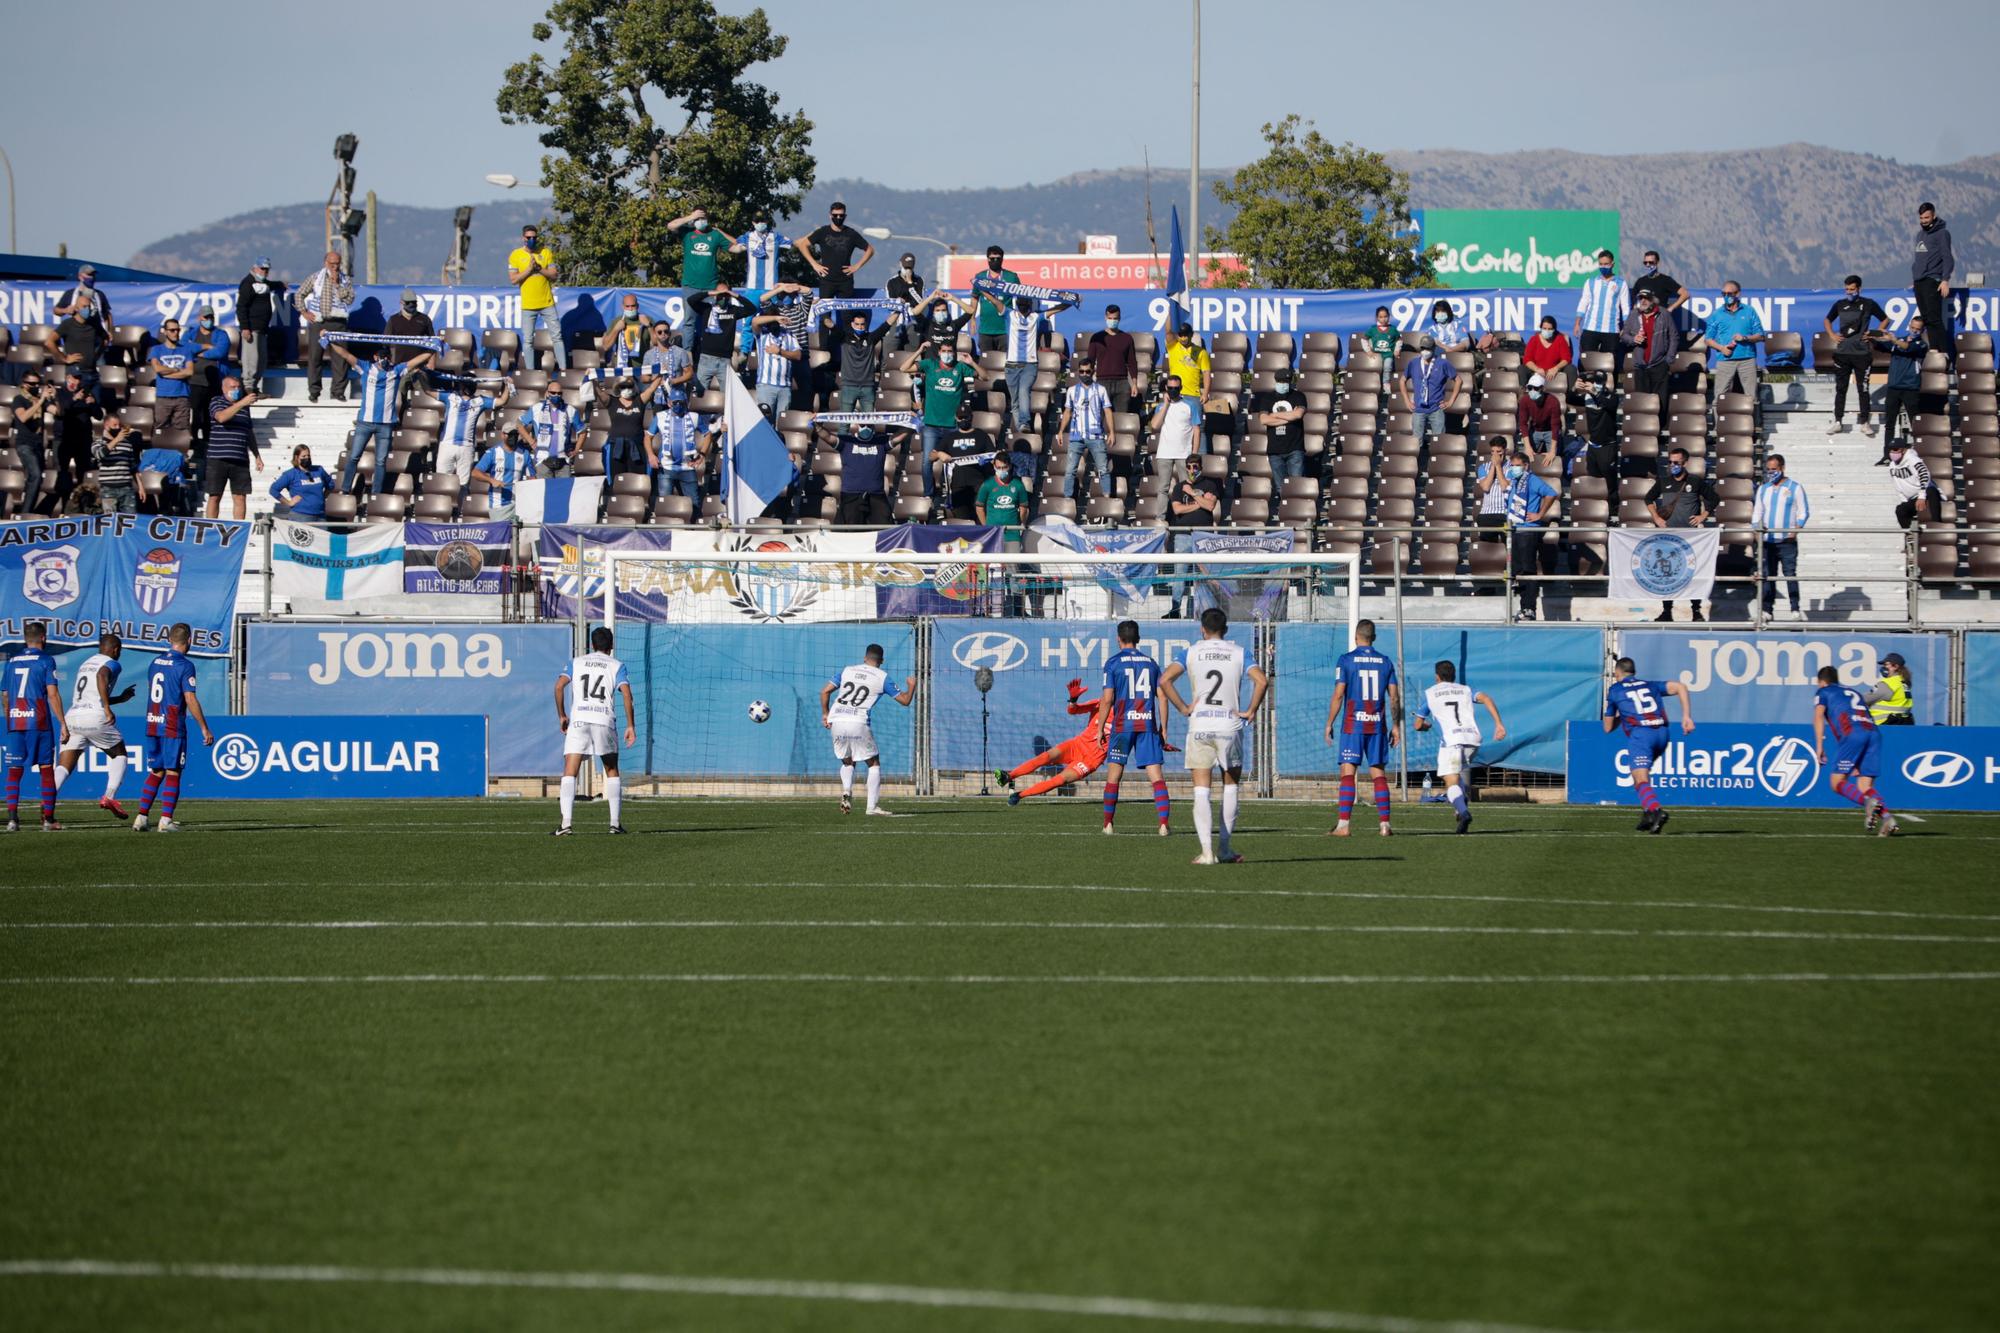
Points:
[[49, 578], [157, 579]]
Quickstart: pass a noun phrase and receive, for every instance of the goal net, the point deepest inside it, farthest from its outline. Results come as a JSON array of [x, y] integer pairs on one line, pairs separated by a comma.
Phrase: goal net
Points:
[[736, 654]]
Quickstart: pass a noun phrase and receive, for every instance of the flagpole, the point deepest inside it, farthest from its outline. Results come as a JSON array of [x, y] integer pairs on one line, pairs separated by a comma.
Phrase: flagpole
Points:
[[1194, 155]]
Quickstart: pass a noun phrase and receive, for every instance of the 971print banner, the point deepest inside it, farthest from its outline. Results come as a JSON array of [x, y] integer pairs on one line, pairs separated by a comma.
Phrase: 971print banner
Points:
[[133, 575]]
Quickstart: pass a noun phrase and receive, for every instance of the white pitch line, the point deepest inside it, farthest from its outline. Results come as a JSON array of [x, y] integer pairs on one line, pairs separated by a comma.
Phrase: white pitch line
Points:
[[155, 886], [849, 1293], [1250, 927], [1109, 979]]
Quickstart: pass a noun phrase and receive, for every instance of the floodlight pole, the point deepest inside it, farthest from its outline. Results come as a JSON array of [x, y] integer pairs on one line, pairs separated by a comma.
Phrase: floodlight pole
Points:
[[13, 238], [1194, 159]]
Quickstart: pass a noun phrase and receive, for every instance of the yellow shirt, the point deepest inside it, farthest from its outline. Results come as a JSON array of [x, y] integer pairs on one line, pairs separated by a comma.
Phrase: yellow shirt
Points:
[[1190, 365], [537, 293]]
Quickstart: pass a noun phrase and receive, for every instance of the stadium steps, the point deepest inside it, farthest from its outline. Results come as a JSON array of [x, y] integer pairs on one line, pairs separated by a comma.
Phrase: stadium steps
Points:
[[324, 426], [1846, 490]]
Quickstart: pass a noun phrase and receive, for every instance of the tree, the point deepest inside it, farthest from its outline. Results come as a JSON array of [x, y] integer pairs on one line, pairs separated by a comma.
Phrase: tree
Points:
[[618, 167], [1312, 214]]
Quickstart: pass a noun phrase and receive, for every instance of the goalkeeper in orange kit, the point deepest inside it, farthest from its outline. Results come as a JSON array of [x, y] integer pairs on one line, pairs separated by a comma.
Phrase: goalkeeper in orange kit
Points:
[[1080, 755]]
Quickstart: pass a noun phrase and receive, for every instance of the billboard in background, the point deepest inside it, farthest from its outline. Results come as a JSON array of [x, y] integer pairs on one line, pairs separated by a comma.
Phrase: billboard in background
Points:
[[326, 758], [1749, 677], [1741, 764], [1518, 247], [505, 672], [1086, 272], [133, 575]]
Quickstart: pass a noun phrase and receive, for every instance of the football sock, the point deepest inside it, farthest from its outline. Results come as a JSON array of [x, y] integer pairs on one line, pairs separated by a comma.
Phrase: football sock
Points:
[[568, 800], [1110, 801], [1850, 790], [1204, 819], [1229, 796], [62, 776], [1346, 799], [147, 791], [48, 792], [614, 796], [874, 786], [1161, 805], [1382, 799], [170, 794], [1456, 795], [13, 792], [1648, 801], [113, 776], [847, 779]]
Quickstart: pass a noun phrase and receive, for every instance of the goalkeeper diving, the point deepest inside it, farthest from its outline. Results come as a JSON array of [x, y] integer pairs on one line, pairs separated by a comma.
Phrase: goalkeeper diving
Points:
[[1079, 756]]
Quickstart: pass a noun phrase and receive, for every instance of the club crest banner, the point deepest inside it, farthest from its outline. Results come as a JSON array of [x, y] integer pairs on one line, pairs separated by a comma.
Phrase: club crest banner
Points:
[[133, 575], [1663, 564]]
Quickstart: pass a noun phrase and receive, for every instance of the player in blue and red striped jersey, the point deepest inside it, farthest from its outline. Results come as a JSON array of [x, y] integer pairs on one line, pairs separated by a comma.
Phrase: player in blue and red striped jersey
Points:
[[1639, 707], [1368, 704], [170, 702], [1857, 762], [1131, 682], [34, 716]]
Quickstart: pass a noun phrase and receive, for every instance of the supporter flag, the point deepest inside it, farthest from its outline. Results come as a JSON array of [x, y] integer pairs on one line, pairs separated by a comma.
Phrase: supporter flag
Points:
[[1122, 580], [1663, 564], [904, 591], [558, 500], [323, 565], [756, 466], [1177, 272], [1242, 592], [455, 557]]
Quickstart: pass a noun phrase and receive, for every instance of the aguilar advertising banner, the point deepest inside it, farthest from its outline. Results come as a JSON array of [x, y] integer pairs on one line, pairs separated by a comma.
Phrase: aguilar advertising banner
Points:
[[934, 590], [1032, 661], [455, 557], [1211, 310], [1505, 247], [1749, 677], [133, 575], [1740, 764], [1541, 678], [324, 758], [505, 672]]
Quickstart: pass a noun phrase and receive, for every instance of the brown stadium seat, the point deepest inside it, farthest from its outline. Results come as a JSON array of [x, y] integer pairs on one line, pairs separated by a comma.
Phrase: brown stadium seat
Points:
[[342, 509], [433, 508]]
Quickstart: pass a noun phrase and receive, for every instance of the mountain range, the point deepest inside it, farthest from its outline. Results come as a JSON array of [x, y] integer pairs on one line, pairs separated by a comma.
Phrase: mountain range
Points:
[[1799, 215]]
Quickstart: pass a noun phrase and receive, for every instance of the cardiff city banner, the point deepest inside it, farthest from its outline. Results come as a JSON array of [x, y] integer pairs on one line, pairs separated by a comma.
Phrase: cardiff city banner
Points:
[[1244, 592], [133, 575], [456, 557], [1541, 678], [1741, 676], [327, 758], [1508, 247], [506, 672], [934, 590], [1743, 764], [1663, 564], [1032, 662]]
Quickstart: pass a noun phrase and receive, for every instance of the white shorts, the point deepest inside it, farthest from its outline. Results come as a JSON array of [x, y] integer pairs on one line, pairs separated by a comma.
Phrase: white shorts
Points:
[[853, 745], [1455, 759], [596, 739], [456, 459], [1207, 752], [92, 729]]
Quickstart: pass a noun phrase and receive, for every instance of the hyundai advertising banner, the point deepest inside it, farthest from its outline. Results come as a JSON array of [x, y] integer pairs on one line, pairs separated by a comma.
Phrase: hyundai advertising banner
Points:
[[505, 672], [326, 758], [1775, 767], [1747, 677]]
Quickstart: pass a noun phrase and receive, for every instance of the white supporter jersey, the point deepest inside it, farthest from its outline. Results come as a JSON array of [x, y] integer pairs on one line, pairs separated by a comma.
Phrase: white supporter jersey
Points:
[[84, 698], [594, 679], [1215, 675], [1451, 708], [856, 692]]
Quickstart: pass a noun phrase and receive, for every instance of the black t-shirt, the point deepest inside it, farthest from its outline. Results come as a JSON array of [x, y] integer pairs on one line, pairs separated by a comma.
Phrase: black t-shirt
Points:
[[910, 290], [1185, 491], [1849, 317], [28, 433], [857, 353], [81, 336], [1600, 417], [1663, 287], [835, 246], [863, 463], [1289, 438], [628, 425], [80, 413], [963, 480], [718, 322]]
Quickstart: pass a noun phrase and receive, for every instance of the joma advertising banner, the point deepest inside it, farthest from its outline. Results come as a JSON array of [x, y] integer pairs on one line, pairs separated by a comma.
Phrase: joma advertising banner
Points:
[[1750, 677]]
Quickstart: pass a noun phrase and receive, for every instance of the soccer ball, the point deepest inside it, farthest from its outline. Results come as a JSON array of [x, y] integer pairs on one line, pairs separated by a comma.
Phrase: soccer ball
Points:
[[759, 711]]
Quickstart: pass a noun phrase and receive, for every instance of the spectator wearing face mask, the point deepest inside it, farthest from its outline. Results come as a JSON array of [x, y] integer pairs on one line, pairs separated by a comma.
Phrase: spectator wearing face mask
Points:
[[1282, 414], [78, 343], [1917, 497], [1189, 362], [84, 301], [1538, 418], [666, 370], [258, 301], [1734, 330], [410, 321], [1452, 334], [1383, 341], [1593, 398], [906, 285], [1491, 481], [301, 489], [1530, 502], [865, 455], [1654, 343], [458, 438], [1003, 500], [716, 314], [232, 449], [760, 247], [629, 338], [939, 317], [1930, 278], [1116, 358], [117, 458], [701, 251], [382, 383], [1680, 499], [1193, 501], [1900, 393], [1548, 352], [854, 346], [1668, 295], [836, 252], [33, 412], [944, 380], [1086, 423], [1851, 320], [324, 299], [1027, 334], [677, 448], [1778, 514], [778, 358], [173, 362], [1175, 429], [531, 266], [962, 458], [624, 443], [1602, 306], [211, 354], [1429, 384], [993, 309]]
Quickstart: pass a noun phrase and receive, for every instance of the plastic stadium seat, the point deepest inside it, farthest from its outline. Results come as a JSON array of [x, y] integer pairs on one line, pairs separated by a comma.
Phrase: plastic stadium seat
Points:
[[433, 508], [1250, 513], [475, 508], [342, 509]]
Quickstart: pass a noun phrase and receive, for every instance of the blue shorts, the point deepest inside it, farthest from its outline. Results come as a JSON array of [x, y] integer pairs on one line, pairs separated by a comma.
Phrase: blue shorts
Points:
[[1136, 749], [30, 749], [1860, 755], [1365, 747], [164, 752], [1644, 747]]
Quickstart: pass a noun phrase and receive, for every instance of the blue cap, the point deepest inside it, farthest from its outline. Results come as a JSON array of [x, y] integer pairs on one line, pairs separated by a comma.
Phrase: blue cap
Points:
[[262, 263]]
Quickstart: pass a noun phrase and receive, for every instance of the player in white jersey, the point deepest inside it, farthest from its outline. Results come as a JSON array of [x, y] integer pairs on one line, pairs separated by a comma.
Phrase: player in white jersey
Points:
[[584, 713], [91, 723], [1452, 708], [844, 705], [1215, 669]]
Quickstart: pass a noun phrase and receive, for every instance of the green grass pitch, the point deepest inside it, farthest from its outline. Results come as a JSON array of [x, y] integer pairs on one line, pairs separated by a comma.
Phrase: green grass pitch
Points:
[[761, 1067]]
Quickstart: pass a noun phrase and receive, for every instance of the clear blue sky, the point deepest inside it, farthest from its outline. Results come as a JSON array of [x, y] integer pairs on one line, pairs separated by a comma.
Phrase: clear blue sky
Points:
[[217, 104]]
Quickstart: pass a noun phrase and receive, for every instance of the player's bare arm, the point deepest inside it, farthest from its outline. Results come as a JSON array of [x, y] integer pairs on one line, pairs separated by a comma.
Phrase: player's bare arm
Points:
[[1395, 716], [1167, 678], [1333, 708], [194, 711], [1260, 685], [825, 692], [1493, 710], [562, 706], [56, 712], [1678, 690], [1819, 734], [909, 691], [631, 720]]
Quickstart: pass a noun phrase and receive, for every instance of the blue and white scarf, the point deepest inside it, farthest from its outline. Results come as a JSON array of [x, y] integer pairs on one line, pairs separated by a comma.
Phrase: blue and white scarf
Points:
[[889, 420], [384, 340], [828, 304], [1001, 287]]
